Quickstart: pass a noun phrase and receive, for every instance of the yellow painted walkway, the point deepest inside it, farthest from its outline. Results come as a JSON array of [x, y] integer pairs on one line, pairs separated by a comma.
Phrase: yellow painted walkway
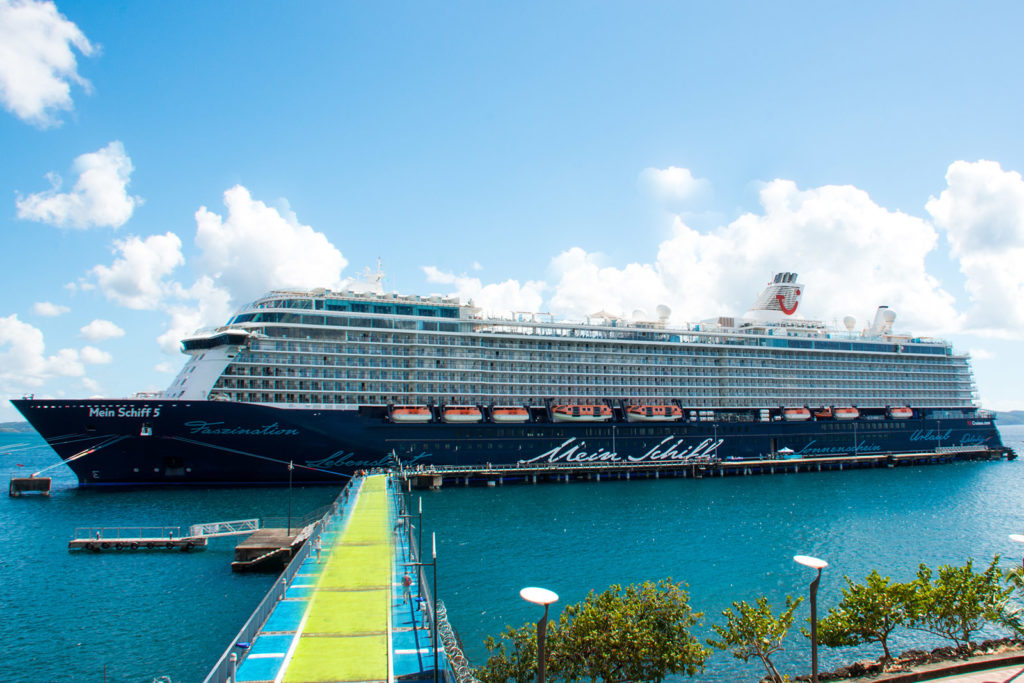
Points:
[[344, 635]]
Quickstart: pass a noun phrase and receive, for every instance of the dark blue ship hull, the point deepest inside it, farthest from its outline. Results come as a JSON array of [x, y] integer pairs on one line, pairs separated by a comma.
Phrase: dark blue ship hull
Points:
[[157, 442]]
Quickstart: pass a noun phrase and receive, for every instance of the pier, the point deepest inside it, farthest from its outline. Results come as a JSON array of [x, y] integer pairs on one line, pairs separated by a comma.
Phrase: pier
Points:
[[342, 614], [98, 539], [691, 468]]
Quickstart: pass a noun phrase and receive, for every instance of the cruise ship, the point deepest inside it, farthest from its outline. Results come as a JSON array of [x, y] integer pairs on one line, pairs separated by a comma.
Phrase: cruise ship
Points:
[[312, 385]]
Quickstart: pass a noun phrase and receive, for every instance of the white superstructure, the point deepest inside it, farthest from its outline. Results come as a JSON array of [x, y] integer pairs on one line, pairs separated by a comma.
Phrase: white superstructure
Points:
[[342, 350]]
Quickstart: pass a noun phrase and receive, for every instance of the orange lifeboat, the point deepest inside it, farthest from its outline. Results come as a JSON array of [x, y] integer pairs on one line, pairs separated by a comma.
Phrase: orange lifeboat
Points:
[[509, 414], [410, 414], [823, 413], [847, 413], [796, 414], [461, 414], [581, 413], [653, 413], [900, 413]]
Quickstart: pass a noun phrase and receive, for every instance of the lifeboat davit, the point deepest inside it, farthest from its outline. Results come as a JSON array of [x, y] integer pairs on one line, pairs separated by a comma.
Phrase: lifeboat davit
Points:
[[901, 413], [461, 414], [509, 414], [410, 414], [796, 414], [581, 413], [847, 413], [653, 413]]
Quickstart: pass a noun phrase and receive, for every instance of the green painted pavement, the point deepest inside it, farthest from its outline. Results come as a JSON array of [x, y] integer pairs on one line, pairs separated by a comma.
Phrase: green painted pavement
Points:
[[345, 633]]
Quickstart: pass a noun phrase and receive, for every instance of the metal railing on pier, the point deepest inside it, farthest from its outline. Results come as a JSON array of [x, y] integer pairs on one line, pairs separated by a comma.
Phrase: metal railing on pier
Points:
[[114, 533], [224, 669], [453, 647]]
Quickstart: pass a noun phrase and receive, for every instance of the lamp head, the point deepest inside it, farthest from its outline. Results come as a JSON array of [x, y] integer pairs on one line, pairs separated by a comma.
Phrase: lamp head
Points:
[[808, 561], [538, 596]]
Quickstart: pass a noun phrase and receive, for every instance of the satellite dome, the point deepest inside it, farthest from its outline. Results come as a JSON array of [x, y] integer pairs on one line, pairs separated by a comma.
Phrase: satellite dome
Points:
[[663, 312], [849, 321], [889, 315], [639, 314]]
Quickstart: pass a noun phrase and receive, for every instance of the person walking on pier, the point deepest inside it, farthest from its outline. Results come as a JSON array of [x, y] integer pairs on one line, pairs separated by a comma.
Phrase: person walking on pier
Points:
[[406, 588], [316, 548]]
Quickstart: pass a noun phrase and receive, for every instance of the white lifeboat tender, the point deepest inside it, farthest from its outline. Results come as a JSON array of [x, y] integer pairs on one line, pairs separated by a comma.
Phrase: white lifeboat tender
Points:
[[509, 414], [900, 413], [653, 413], [796, 414], [581, 413], [410, 414], [461, 414], [846, 413]]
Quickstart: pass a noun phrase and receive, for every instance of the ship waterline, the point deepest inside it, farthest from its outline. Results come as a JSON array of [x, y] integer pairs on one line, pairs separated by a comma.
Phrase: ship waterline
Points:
[[223, 442], [339, 381]]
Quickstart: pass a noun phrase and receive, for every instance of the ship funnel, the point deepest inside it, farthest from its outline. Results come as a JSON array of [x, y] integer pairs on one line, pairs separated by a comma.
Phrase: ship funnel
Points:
[[778, 301]]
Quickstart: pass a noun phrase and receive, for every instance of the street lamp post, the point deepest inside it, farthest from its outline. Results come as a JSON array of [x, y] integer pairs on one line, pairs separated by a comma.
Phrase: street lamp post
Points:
[[291, 466], [540, 596], [813, 563]]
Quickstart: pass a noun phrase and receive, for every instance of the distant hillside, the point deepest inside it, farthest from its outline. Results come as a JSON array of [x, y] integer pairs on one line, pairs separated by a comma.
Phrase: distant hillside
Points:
[[15, 428], [1010, 417]]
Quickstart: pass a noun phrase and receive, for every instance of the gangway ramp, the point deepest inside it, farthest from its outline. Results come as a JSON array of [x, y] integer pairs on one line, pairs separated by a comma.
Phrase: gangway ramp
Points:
[[217, 529]]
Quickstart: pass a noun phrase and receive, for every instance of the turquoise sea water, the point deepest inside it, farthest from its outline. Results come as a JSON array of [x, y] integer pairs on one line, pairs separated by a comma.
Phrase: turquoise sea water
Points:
[[74, 617]]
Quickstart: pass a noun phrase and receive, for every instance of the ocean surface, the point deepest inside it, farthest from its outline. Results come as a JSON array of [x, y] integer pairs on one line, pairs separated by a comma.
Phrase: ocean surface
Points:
[[136, 617]]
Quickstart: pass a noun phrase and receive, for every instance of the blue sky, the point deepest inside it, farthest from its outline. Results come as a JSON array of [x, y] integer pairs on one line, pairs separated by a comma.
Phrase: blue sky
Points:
[[565, 157]]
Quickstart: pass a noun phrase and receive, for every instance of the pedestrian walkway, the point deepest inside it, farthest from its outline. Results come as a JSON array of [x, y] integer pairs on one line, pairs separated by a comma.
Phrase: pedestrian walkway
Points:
[[344, 617]]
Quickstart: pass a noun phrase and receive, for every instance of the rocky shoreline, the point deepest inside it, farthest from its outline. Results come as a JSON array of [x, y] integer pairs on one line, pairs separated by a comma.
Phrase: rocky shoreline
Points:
[[922, 663]]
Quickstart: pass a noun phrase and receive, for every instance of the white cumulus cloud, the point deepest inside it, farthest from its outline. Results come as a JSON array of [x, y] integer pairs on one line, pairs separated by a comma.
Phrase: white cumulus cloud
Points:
[[500, 299], [99, 330], [99, 198], [94, 356], [202, 305], [49, 310], [136, 279], [257, 248], [37, 60], [851, 253], [24, 364], [673, 184], [982, 213]]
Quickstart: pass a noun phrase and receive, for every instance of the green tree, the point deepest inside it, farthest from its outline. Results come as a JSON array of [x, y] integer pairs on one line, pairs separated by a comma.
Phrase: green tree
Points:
[[755, 631], [640, 633], [868, 613], [960, 602], [1013, 616], [637, 633], [515, 662]]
